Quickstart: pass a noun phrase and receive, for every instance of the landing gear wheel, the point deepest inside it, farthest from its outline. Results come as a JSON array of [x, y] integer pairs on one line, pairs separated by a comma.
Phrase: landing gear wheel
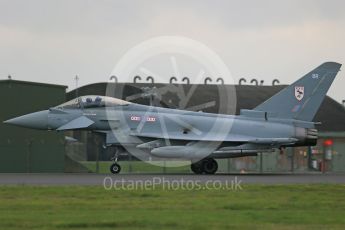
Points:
[[209, 166], [196, 168], [115, 168]]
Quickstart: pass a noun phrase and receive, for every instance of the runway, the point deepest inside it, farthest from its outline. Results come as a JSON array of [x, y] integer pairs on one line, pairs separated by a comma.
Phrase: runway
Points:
[[100, 179]]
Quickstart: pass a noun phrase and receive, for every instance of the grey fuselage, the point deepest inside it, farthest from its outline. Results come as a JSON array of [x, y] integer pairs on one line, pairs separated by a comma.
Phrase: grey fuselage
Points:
[[179, 125]]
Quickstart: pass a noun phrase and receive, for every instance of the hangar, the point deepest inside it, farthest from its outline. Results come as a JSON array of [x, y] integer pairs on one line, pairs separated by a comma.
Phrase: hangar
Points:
[[25, 150]]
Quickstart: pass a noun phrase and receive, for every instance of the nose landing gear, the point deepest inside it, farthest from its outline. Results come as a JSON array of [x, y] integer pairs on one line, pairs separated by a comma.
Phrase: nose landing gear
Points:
[[115, 168]]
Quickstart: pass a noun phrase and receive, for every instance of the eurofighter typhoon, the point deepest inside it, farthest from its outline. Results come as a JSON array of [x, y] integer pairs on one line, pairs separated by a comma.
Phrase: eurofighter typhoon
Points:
[[284, 120]]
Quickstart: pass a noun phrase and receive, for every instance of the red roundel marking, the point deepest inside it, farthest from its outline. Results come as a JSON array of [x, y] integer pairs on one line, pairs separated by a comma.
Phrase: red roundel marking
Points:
[[151, 119], [135, 118]]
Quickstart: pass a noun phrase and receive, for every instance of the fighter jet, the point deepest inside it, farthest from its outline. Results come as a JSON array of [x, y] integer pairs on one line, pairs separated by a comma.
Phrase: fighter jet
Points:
[[284, 120]]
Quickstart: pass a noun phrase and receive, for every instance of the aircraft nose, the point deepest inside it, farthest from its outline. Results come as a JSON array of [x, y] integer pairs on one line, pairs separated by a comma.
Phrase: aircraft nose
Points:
[[37, 120]]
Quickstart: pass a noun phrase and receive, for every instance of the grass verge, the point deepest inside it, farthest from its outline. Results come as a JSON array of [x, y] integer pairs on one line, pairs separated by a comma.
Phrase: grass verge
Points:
[[93, 207]]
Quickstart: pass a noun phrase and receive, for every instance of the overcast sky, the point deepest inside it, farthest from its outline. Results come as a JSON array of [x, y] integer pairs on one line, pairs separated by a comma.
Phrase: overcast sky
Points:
[[52, 41]]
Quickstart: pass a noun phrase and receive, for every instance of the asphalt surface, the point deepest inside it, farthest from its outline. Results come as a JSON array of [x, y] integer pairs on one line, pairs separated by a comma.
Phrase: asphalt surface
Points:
[[101, 179]]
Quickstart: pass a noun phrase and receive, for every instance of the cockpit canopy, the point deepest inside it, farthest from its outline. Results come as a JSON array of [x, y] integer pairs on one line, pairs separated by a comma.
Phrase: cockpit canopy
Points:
[[92, 101]]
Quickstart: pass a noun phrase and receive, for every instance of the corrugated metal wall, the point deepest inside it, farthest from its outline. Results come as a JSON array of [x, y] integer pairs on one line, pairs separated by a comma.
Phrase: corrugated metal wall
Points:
[[26, 150]]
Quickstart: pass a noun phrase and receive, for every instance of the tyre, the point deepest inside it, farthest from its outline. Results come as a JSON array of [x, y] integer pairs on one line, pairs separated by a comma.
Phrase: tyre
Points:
[[115, 168], [196, 168], [209, 166]]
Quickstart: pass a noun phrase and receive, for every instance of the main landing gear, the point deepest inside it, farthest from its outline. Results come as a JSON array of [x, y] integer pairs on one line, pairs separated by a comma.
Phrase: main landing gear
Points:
[[115, 168], [205, 166]]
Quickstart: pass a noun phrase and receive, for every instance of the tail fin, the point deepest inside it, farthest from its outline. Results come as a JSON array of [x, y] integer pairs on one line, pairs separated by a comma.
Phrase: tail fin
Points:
[[302, 99]]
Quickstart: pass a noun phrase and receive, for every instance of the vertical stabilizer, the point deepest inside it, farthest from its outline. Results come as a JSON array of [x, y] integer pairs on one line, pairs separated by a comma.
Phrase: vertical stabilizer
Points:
[[302, 99]]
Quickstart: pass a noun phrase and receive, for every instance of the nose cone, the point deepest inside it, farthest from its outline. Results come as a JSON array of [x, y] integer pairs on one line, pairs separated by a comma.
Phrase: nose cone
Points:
[[37, 120]]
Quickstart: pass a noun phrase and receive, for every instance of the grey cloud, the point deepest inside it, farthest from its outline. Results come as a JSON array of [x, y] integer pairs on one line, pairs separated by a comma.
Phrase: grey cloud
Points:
[[51, 41], [90, 17], [93, 17]]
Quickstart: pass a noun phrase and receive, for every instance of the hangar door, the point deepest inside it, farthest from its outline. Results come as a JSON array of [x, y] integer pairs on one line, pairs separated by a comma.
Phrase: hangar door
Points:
[[27, 150]]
